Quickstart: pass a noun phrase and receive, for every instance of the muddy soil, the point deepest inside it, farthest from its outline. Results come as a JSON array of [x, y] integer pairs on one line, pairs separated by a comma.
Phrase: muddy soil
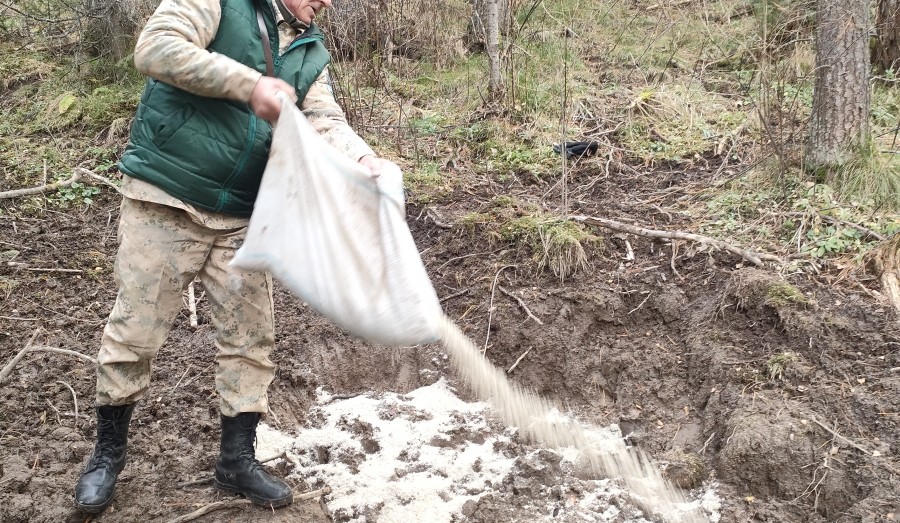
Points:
[[790, 407]]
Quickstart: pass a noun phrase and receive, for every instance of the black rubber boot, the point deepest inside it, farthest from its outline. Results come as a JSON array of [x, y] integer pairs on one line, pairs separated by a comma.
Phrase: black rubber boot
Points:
[[238, 472], [95, 487]]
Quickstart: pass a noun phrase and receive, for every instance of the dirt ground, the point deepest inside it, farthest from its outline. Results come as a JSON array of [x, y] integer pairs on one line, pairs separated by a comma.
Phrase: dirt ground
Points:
[[789, 407]]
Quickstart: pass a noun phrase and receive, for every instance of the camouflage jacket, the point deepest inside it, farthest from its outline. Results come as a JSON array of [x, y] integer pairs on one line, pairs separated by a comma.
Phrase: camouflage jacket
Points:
[[172, 49]]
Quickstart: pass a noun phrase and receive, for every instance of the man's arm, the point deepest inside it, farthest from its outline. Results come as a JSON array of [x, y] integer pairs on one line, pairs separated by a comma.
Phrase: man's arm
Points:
[[172, 48], [327, 117]]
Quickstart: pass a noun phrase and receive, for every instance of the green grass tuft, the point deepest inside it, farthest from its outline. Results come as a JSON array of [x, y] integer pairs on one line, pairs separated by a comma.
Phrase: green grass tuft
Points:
[[782, 294]]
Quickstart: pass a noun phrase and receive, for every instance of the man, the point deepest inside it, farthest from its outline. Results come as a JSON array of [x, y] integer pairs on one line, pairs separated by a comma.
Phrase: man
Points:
[[192, 168]]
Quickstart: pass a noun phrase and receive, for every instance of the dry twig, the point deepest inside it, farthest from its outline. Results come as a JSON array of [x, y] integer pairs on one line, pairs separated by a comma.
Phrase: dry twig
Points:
[[42, 348], [212, 507], [751, 256], [280, 455], [846, 440], [313, 494], [17, 193], [15, 360], [679, 3], [25, 267], [74, 398], [521, 304], [454, 295], [491, 306], [195, 482], [642, 303], [79, 174], [518, 360]]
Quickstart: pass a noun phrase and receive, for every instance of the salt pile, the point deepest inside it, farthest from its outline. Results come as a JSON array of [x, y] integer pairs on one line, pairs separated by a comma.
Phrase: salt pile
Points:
[[428, 456]]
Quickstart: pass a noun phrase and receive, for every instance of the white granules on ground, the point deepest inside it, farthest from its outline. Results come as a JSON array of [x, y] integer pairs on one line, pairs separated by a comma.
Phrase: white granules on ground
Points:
[[394, 455], [422, 456]]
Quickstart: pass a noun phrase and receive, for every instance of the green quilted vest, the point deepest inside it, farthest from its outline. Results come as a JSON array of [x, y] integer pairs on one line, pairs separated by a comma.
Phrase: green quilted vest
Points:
[[211, 152]]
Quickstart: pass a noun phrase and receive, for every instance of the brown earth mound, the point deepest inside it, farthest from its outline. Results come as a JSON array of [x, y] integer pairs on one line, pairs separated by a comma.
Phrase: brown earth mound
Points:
[[782, 391]]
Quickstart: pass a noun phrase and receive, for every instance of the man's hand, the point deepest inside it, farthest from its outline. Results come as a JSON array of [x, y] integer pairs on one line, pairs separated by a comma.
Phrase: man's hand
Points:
[[264, 99], [377, 165]]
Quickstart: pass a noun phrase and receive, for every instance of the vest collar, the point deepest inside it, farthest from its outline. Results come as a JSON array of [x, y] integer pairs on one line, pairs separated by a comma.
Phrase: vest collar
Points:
[[288, 17]]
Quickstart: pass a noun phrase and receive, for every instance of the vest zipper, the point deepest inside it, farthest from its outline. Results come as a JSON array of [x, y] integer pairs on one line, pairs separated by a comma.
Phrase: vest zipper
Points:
[[253, 124], [242, 163]]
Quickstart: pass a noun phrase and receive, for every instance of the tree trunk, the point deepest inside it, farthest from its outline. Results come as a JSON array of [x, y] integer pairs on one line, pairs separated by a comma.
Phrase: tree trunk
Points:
[[476, 37], [114, 25], [492, 32], [840, 112], [887, 30]]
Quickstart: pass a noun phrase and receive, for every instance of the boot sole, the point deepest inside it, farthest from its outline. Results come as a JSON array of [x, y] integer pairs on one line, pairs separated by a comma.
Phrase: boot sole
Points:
[[274, 503], [94, 509]]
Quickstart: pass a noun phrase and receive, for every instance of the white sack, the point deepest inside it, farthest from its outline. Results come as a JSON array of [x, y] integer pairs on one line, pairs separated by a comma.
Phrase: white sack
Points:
[[338, 239]]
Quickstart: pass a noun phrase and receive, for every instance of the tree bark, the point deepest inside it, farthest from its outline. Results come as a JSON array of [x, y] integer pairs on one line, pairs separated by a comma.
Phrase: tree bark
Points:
[[492, 33], [840, 112], [887, 30]]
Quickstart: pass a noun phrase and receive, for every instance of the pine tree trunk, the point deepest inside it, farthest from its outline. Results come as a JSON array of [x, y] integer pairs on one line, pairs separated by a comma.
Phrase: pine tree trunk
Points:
[[887, 29], [840, 109], [492, 32]]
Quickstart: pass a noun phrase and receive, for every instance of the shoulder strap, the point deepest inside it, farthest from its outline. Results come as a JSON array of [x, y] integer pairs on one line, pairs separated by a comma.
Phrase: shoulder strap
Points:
[[267, 47]]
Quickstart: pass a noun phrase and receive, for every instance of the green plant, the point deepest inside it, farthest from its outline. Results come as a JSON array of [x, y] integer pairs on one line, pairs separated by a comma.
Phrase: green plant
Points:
[[557, 243], [783, 294], [778, 364], [76, 194], [426, 183], [830, 226]]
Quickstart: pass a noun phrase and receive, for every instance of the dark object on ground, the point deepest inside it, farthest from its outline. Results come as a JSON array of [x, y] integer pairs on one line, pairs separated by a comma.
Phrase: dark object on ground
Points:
[[578, 149]]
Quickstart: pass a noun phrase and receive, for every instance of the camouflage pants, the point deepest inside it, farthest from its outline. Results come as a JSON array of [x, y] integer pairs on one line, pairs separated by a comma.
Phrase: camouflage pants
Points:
[[161, 250]]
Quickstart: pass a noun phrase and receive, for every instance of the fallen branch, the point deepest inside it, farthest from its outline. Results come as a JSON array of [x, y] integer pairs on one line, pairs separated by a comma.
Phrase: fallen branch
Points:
[[521, 304], [212, 507], [751, 256], [81, 171], [41, 348], [15, 360], [25, 267], [229, 504], [18, 193], [79, 174], [846, 440]]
